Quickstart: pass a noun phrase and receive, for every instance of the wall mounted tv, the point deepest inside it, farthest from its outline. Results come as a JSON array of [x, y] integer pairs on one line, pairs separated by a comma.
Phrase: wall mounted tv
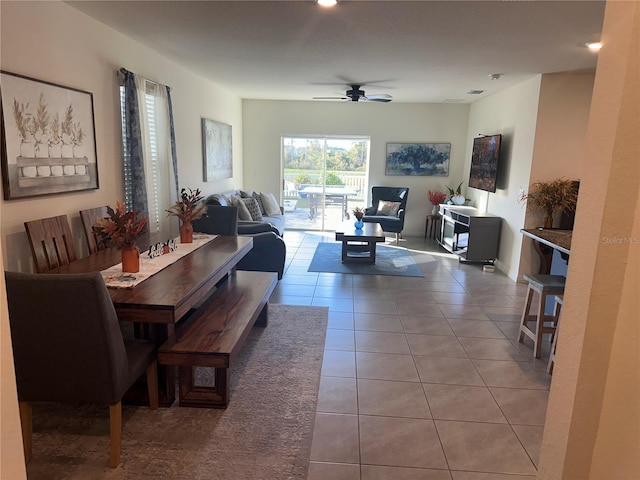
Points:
[[485, 160]]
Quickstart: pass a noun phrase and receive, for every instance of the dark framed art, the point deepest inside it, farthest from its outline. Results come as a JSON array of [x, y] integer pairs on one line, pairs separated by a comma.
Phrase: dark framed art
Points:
[[48, 142], [216, 150], [418, 159]]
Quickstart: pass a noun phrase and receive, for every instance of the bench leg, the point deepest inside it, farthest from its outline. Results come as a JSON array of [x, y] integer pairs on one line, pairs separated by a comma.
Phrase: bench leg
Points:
[[263, 317], [192, 395]]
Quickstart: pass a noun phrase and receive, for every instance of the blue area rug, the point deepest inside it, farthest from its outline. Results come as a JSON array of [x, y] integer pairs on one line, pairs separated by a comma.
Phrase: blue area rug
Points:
[[389, 261]]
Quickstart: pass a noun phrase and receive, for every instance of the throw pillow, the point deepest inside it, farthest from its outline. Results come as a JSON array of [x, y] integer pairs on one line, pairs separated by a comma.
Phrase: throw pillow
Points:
[[254, 209], [243, 211], [271, 206], [388, 208], [246, 194], [258, 198]]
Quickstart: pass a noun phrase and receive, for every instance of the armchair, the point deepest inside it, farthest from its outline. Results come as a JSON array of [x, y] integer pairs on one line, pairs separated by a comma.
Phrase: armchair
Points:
[[390, 216], [269, 250]]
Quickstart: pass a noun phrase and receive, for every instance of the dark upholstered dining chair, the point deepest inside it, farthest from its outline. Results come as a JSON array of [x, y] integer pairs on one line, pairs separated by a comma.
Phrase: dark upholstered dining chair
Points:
[[269, 251], [89, 219], [51, 243], [388, 207], [68, 348]]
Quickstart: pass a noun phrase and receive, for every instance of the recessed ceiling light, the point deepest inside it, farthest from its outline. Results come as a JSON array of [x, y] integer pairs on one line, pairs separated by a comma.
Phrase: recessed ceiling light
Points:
[[475, 92], [495, 76], [327, 3], [594, 46]]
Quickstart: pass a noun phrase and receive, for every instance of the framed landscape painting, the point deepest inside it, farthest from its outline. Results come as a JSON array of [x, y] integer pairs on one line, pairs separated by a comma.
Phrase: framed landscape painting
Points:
[[216, 150], [48, 138], [418, 159]]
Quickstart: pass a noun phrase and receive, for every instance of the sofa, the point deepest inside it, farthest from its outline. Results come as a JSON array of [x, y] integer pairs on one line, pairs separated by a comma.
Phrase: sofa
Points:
[[269, 251], [272, 219]]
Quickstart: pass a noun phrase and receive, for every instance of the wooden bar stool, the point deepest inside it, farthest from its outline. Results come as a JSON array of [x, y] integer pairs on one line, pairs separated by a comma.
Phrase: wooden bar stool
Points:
[[544, 285], [556, 312]]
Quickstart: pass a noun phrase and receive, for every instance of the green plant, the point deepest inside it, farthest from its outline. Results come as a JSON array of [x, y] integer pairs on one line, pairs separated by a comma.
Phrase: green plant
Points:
[[457, 191], [333, 179], [302, 179], [187, 207], [120, 229]]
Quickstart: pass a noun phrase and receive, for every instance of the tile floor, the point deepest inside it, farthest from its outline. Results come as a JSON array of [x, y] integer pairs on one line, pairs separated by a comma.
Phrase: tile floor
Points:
[[422, 378]]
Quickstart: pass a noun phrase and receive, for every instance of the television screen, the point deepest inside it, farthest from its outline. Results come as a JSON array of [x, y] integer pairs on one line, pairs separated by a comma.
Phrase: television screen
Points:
[[484, 162]]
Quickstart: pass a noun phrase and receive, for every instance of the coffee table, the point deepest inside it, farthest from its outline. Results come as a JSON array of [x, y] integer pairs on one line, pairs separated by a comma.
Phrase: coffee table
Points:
[[362, 242]]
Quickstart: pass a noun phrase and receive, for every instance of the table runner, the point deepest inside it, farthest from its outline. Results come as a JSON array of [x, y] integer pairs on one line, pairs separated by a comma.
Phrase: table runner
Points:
[[114, 277]]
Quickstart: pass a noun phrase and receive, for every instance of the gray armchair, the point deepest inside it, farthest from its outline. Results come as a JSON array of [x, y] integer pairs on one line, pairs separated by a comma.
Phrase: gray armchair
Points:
[[390, 221], [269, 251], [68, 348]]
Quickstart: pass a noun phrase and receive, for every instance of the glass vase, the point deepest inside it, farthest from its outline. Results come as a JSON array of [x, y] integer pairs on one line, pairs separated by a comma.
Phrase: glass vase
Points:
[[358, 224]]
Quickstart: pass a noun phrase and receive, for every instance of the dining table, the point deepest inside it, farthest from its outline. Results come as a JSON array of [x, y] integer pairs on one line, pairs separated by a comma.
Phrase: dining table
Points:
[[170, 295]]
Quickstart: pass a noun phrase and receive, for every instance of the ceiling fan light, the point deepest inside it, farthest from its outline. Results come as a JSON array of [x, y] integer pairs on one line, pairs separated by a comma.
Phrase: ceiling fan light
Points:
[[327, 3], [594, 46]]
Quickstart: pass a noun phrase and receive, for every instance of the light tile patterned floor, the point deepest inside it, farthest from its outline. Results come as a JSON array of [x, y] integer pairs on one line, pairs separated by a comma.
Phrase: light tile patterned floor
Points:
[[422, 378]]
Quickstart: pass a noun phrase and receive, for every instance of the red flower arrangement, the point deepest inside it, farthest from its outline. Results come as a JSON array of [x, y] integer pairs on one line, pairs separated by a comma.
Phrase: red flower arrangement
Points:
[[437, 197]]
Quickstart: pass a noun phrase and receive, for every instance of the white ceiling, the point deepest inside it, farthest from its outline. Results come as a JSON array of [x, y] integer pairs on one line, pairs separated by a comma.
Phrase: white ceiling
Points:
[[416, 51]]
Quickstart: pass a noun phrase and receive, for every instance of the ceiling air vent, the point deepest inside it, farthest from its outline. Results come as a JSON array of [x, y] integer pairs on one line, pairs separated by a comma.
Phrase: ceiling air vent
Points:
[[475, 92]]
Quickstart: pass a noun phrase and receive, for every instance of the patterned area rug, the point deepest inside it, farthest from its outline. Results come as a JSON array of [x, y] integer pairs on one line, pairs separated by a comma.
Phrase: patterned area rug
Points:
[[389, 261], [265, 433]]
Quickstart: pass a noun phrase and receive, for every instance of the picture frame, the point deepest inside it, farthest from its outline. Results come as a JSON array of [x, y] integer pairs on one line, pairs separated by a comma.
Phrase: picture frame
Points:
[[422, 159], [48, 138], [216, 150]]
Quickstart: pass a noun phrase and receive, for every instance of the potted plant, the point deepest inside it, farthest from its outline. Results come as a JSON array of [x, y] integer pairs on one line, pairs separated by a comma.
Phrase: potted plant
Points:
[[456, 196], [358, 213], [552, 196], [187, 209], [121, 230], [436, 198]]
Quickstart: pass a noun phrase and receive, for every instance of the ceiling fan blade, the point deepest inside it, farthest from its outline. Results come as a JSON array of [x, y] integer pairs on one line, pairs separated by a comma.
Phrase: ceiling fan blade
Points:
[[381, 97], [330, 98]]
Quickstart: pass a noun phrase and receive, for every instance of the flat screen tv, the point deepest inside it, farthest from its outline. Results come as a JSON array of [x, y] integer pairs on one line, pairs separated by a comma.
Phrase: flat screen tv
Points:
[[485, 160]]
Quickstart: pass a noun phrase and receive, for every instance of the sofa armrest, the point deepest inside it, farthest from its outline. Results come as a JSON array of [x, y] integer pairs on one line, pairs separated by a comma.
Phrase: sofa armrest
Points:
[[251, 228]]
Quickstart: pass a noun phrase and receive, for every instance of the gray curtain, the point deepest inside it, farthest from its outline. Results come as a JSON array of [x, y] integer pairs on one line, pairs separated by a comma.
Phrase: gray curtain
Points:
[[174, 156]]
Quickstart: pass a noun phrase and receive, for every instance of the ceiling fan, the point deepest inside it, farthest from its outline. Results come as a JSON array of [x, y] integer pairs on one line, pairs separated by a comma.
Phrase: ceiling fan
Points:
[[357, 95]]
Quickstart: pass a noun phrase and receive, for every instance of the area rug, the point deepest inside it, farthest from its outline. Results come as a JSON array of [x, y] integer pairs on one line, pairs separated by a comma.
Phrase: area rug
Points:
[[265, 433], [389, 261]]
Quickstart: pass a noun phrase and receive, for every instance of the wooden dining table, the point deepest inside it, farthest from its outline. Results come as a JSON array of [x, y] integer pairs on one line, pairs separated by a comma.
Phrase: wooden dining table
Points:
[[169, 295]]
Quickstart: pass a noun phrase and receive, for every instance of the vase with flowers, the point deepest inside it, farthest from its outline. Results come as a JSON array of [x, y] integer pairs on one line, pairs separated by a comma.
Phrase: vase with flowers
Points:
[[456, 196], [121, 230], [188, 208], [358, 213], [436, 198], [551, 197]]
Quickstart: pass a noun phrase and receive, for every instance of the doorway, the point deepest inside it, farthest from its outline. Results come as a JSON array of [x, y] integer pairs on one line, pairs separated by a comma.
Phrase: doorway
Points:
[[324, 178]]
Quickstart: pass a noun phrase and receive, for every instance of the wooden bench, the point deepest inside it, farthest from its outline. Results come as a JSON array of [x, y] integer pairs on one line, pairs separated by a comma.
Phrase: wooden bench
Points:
[[214, 333]]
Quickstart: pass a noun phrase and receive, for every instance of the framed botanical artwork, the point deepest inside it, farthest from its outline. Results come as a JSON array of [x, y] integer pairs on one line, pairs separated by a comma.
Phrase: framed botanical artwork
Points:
[[216, 150], [48, 138], [418, 159]]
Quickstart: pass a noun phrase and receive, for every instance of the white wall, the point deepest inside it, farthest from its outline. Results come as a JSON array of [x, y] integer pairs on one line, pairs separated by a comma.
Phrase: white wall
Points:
[[266, 121], [52, 41], [512, 113]]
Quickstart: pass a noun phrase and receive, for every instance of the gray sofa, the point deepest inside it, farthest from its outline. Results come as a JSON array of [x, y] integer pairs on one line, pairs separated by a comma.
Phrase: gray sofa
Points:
[[275, 223]]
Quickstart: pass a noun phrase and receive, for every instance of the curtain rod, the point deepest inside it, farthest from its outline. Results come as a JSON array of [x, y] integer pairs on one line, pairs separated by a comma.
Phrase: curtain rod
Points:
[[123, 70]]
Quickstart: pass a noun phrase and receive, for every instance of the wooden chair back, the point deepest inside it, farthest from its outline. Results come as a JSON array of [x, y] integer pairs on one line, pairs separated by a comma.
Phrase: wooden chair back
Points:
[[89, 219], [51, 243]]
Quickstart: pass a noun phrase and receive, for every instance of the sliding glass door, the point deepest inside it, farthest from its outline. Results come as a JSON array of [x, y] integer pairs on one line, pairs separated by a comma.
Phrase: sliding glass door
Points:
[[324, 179]]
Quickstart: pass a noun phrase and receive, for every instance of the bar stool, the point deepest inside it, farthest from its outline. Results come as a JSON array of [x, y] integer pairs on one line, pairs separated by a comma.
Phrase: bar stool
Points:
[[556, 312], [544, 285]]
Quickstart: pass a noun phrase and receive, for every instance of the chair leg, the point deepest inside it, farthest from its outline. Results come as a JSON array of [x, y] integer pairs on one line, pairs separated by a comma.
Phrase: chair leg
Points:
[[26, 421], [152, 385], [539, 325], [525, 314], [115, 421]]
